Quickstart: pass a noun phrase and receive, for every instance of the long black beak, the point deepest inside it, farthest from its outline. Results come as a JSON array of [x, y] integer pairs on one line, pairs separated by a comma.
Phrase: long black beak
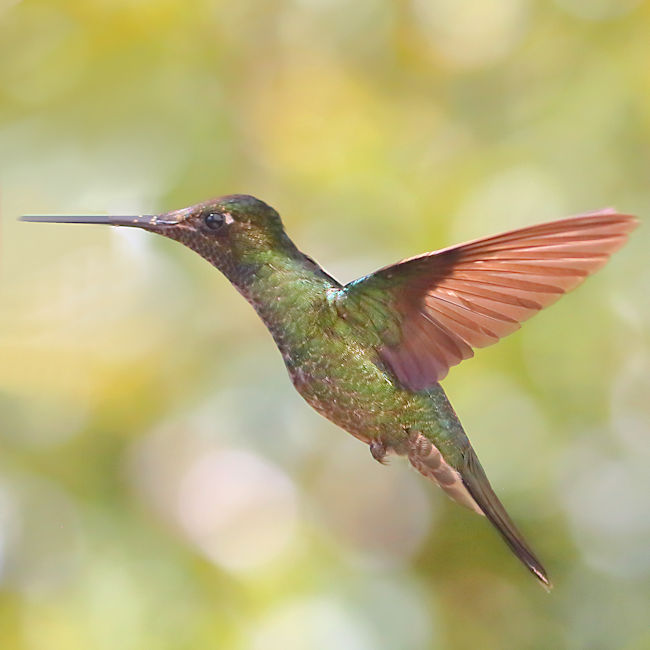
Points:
[[139, 221]]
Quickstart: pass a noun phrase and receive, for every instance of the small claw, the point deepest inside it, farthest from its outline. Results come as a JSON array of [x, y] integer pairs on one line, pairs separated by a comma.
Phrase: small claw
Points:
[[378, 451]]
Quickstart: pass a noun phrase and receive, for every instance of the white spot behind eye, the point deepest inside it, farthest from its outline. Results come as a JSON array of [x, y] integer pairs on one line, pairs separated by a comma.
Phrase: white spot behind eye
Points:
[[228, 218]]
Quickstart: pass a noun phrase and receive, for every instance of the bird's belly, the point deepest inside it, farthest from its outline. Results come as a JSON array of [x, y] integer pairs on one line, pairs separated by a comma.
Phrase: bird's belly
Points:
[[344, 410], [356, 396]]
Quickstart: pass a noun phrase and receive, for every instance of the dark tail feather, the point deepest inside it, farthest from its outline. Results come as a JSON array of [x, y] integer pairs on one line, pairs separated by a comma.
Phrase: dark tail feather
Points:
[[479, 487]]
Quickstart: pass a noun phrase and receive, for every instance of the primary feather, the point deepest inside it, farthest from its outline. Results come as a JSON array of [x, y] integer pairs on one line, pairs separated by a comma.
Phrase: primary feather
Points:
[[446, 303]]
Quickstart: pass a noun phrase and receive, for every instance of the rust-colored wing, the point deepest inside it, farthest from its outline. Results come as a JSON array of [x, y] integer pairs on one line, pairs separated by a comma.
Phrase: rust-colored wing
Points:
[[429, 312]]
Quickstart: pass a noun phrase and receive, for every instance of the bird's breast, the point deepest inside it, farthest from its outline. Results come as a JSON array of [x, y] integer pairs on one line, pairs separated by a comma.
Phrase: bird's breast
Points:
[[343, 382]]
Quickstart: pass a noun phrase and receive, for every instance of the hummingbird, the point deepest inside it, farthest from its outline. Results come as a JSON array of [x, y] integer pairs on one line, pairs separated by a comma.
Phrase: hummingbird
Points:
[[370, 355]]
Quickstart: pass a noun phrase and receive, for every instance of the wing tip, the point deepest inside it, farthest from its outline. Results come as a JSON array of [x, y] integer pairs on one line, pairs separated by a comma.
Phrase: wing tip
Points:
[[631, 221], [536, 568], [479, 487], [542, 577]]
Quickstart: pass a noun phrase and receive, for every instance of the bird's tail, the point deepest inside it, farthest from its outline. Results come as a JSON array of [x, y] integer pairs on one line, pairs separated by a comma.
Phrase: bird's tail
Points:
[[477, 484]]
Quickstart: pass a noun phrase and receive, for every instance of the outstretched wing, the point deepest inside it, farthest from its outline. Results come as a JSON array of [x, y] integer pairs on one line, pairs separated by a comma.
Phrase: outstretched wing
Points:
[[427, 313]]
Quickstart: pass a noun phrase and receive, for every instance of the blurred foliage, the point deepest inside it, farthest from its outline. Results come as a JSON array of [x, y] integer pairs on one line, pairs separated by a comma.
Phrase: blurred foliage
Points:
[[161, 484]]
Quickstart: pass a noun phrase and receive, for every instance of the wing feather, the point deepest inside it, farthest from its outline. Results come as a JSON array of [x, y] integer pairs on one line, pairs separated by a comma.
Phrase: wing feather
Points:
[[444, 304]]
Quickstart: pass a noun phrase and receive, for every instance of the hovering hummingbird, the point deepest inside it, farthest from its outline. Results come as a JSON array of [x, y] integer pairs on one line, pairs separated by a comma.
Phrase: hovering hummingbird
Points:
[[370, 355]]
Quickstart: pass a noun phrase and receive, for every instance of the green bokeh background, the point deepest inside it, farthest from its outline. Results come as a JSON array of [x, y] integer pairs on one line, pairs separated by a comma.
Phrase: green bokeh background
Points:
[[161, 484]]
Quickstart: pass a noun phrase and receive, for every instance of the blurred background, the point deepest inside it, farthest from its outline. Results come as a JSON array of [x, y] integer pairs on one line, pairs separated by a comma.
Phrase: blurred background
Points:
[[161, 483]]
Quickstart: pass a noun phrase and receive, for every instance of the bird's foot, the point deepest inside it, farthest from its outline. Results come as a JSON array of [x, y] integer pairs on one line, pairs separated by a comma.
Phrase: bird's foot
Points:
[[378, 451]]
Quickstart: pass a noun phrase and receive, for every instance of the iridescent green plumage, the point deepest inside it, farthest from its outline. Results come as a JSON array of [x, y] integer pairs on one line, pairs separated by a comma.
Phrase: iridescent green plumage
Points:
[[369, 355]]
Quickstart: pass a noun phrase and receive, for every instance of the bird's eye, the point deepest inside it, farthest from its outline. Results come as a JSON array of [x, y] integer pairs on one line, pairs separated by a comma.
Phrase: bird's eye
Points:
[[214, 220]]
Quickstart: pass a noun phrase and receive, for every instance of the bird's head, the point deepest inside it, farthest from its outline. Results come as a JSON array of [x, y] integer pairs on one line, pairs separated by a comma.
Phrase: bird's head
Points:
[[228, 231]]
